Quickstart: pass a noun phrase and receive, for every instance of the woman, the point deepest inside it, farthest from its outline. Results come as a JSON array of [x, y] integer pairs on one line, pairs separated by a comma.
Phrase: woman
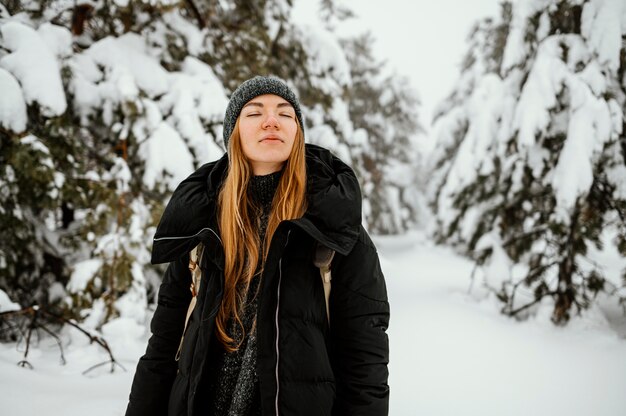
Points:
[[259, 341]]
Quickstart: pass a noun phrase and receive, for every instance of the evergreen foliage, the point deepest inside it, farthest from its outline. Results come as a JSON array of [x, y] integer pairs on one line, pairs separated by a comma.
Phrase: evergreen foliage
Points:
[[384, 108], [134, 101], [529, 176]]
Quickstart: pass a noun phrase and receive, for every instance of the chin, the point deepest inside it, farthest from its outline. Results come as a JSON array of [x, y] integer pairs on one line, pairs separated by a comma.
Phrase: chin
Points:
[[273, 158]]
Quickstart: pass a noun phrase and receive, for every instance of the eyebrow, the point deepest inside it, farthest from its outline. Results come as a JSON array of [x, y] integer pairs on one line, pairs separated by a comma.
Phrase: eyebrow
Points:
[[257, 104]]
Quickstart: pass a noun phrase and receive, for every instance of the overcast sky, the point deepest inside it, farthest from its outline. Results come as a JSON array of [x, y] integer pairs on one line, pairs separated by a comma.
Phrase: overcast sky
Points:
[[424, 40]]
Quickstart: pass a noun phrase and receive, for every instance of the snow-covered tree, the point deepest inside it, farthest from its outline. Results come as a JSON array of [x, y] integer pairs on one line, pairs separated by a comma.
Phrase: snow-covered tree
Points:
[[107, 106], [384, 111], [94, 100], [529, 176]]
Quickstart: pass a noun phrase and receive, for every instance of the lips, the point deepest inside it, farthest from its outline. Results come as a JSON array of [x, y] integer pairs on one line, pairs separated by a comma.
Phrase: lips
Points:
[[271, 138]]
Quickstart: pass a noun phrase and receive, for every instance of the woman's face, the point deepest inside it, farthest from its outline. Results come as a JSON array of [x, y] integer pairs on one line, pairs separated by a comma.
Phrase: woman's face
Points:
[[267, 127]]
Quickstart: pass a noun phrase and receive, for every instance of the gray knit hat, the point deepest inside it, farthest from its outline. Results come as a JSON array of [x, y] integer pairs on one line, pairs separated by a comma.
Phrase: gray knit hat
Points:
[[253, 88]]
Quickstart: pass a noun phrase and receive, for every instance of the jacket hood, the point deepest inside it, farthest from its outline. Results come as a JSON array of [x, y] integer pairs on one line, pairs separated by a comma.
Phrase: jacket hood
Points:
[[333, 215]]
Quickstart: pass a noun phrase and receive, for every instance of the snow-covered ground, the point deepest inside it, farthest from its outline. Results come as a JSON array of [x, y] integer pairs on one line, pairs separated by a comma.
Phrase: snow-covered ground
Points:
[[452, 353]]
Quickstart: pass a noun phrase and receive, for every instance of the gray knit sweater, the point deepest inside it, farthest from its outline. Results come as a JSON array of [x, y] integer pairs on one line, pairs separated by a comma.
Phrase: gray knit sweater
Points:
[[234, 386]]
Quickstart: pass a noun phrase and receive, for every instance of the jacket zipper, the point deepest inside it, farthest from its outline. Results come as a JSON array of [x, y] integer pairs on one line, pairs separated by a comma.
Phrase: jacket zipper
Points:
[[190, 236], [280, 277]]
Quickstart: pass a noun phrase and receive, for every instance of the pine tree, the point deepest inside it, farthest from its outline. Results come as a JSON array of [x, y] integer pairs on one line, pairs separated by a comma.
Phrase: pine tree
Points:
[[253, 38], [83, 171], [83, 216], [530, 168], [384, 109]]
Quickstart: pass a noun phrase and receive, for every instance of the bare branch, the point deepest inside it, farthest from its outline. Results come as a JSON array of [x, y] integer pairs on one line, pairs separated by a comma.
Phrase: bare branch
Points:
[[528, 305], [35, 324], [196, 13]]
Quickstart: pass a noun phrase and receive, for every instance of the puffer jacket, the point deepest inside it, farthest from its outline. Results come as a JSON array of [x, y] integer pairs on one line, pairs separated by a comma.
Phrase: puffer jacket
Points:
[[305, 365]]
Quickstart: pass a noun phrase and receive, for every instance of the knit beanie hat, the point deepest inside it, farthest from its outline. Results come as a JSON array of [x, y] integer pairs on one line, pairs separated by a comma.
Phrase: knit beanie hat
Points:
[[254, 87]]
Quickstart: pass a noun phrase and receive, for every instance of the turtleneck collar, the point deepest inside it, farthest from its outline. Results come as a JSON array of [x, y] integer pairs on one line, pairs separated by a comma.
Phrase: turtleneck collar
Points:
[[263, 187]]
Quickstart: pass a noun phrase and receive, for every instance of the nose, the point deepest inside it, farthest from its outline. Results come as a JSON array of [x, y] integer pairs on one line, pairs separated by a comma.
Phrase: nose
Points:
[[270, 121]]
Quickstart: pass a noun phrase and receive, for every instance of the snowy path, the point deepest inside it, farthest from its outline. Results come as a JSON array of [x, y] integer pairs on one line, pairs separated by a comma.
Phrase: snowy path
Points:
[[450, 355]]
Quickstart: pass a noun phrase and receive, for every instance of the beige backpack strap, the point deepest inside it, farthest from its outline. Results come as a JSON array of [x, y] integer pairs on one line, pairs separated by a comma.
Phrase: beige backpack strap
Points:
[[323, 258], [196, 277]]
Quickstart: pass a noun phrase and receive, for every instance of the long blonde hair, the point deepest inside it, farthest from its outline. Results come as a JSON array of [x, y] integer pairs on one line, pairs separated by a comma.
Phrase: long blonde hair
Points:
[[239, 228]]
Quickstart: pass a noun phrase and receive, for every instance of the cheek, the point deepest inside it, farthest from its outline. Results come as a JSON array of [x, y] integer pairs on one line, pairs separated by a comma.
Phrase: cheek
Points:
[[245, 131], [245, 136], [247, 149], [293, 130]]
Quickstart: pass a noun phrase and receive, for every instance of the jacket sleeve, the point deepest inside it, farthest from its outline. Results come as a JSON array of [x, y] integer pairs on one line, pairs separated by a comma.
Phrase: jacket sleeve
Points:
[[156, 370], [359, 316]]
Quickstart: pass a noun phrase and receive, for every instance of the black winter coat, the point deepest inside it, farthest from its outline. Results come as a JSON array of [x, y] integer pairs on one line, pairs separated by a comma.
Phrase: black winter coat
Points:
[[305, 367]]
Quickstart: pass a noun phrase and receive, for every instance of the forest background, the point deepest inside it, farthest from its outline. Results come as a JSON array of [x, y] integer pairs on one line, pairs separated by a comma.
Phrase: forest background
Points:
[[105, 106]]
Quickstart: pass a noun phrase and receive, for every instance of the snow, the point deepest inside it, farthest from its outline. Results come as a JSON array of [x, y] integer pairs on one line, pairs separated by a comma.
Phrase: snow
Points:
[[616, 175], [603, 24], [58, 39], [34, 64], [448, 343], [165, 151], [515, 52], [568, 92], [35, 143], [132, 305], [195, 96], [322, 134], [480, 118], [133, 79], [6, 304], [83, 273], [484, 108], [539, 94], [589, 128], [327, 59], [194, 37], [445, 342], [340, 114], [498, 266], [589, 117], [122, 174], [211, 97], [274, 13], [12, 105], [84, 87], [129, 55], [401, 174]]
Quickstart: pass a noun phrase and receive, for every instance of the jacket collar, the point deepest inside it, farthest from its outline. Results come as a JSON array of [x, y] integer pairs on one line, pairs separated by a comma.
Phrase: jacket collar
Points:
[[333, 215]]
